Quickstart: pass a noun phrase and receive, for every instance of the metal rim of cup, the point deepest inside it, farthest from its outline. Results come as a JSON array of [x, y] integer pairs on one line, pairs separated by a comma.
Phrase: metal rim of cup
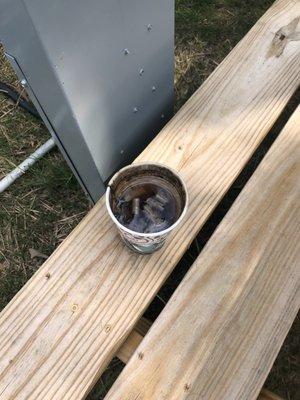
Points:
[[154, 234]]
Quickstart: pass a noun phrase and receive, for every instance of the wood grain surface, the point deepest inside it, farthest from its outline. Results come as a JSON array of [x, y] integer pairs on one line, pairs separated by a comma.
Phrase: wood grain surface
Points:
[[219, 334], [128, 348], [135, 338], [61, 330]]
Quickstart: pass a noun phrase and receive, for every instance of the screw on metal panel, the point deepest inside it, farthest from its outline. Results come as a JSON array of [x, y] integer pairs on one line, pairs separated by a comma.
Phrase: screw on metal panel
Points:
[[135, 110], [141, 71], [126, 52], [153, 88], [23, 82], [149, 27], [122, 151], [162, 116]]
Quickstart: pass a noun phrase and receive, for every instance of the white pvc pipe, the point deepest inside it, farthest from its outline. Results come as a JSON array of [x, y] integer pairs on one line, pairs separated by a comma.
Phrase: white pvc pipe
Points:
[[20, 169]]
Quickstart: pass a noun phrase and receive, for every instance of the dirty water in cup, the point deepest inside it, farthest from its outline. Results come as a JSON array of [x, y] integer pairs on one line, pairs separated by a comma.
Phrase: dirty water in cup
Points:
[[147, 207], [146, 202]]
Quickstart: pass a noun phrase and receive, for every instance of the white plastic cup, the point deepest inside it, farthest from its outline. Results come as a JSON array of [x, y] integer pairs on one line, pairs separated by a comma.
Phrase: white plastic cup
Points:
[[146, 243]]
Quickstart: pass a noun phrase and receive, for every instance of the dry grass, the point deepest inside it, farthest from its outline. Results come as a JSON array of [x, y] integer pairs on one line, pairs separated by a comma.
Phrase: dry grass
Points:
[[40, 209]]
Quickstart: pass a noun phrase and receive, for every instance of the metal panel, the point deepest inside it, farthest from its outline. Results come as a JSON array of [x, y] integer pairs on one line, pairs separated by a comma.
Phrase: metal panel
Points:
[[98, 186], [100, 71]]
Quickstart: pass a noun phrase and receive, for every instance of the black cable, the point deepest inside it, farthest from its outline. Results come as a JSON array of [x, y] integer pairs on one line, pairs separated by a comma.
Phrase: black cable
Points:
[[16, 97]]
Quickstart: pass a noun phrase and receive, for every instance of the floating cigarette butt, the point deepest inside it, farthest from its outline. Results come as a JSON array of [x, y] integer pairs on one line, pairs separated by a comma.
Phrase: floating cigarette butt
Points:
[[136, 206], [162, 199], [152, 215], [155, 204]]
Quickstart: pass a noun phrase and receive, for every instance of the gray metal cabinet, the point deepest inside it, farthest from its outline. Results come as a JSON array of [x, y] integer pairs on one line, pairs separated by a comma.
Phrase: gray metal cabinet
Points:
[[100, 72]]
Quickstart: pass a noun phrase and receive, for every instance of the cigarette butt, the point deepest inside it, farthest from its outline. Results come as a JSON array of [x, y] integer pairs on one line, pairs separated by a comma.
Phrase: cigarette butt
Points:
[[152, 215], [136, 206], [162, 199], [155, 203]]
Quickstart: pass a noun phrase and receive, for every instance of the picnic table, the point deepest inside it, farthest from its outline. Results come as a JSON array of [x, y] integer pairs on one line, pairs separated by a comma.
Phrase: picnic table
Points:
[[219, 334]]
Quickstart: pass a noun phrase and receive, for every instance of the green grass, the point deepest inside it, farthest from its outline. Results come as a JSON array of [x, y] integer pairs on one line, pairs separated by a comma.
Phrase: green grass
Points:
[[206, 30], [41, 208]]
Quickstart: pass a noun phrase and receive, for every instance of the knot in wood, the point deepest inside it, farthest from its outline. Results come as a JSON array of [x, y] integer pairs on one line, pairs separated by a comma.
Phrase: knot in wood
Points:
[[187, 387]]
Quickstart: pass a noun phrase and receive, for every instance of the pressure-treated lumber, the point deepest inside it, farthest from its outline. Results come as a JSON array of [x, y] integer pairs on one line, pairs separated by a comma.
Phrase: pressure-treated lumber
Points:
[[219, 334], [60, 331], [134, 339]]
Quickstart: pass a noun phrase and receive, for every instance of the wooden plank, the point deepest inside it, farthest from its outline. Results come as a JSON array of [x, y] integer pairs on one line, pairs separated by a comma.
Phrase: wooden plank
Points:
[[59, 332], [134, 339], [267, 395], [219, 334], [129, 346]]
